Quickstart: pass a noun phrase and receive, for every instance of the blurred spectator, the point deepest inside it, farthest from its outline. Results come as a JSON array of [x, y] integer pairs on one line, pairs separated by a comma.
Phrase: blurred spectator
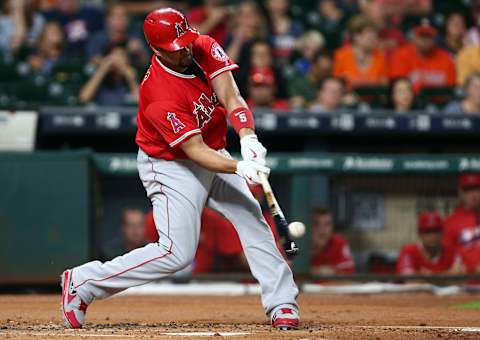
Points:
[[114, 81], [362, 62], [468, 62], [329, 97], [422, 61], [471, 103], [330, 253], [455, 31], [262, 90], [402, 96], [329, 19], [462, 223], [260, 56], [78, 22], [211, 18], [34, 21], [284, 30], [248, 25], [139, 7], [390, 36], [50, 50], [309, 46], [428, 255], [303, 88], [131, 235], [404, 7], [12, 26], [116, 35]]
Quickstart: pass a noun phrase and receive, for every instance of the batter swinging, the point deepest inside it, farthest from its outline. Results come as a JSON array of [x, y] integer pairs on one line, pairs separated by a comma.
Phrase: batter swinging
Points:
[[185, 99]]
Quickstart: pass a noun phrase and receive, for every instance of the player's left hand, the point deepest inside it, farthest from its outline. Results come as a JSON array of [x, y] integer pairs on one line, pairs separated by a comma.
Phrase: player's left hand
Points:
[[252, 149]]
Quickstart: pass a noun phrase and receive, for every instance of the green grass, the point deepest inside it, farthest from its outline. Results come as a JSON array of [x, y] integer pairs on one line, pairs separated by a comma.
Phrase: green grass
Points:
[[468, 305]]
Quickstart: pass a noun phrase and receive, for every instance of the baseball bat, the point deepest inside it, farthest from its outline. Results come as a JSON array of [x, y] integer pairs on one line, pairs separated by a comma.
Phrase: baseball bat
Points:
[[289, 245]]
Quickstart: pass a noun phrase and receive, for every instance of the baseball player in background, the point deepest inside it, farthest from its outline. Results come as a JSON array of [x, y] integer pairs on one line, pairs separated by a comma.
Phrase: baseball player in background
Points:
[[186, 97]]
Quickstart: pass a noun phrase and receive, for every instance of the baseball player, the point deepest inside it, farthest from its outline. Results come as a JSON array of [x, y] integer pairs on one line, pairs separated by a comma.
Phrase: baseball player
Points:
[[429, 255], [186, 97]]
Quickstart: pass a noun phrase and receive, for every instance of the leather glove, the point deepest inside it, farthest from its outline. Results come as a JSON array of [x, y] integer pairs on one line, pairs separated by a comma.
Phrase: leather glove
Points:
[[252, 149], [249, 170]]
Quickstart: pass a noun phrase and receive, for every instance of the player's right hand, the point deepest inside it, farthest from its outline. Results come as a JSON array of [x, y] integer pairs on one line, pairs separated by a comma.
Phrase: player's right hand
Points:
[[249, 170]]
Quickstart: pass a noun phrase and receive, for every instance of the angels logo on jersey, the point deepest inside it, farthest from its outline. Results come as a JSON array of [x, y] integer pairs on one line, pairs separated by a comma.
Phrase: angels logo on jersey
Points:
[[218, 52], [177, 124], [203, 109]]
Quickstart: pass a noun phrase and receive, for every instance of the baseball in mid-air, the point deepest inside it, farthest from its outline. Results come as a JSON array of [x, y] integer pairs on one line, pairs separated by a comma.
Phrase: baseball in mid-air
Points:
[[296, 229]]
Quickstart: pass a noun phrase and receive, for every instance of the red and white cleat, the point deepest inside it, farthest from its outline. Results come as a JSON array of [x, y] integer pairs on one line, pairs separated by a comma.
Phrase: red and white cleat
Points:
[[285, 319], [73, 308]]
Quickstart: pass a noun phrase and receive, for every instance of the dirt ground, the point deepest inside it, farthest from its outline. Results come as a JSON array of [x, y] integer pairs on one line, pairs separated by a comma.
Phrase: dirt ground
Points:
[[399, 316]]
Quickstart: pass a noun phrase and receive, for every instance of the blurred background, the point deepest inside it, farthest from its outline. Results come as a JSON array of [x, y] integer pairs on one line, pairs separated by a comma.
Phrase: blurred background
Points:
[[369, 109]]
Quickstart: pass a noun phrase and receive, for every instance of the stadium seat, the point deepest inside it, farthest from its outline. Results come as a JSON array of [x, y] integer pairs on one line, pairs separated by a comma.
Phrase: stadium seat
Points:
[[438, 96], [375, 96]]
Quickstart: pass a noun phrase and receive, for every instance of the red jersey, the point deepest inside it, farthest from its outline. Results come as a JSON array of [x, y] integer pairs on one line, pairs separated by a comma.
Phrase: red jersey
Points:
[[336, 254], [413, 260], [174, 106], [459, 225], [470, 257], [218, 237]]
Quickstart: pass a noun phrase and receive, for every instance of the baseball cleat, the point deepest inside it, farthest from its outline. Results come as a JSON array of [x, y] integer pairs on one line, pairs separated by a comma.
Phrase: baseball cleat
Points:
[[73, 308], [285, 319]]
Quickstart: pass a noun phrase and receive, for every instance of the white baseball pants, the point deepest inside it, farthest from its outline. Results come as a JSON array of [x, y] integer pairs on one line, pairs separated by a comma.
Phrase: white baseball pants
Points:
[[178, 191]]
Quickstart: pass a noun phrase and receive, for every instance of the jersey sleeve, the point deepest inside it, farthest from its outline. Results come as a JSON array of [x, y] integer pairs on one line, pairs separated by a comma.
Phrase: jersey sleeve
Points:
[[172, 122], [405, 262], [344, 260], [211, 56]]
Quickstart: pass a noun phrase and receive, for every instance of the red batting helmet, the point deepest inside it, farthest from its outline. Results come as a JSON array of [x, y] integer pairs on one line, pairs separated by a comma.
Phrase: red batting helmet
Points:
[[168, 29]]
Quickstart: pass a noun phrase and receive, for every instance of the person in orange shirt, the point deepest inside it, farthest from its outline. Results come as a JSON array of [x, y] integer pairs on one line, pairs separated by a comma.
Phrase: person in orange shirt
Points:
[[428, 255], [463, 224], [361, 63], [422, 61]]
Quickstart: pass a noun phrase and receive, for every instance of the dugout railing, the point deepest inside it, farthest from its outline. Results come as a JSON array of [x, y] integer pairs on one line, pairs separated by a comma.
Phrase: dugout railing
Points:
[[57, 208]]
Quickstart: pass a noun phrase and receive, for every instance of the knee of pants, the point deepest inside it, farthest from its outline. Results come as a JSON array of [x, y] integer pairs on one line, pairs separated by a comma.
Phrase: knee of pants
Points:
[[182, 258]]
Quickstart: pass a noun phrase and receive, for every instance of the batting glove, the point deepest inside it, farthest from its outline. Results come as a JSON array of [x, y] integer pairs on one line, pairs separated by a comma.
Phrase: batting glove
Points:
[[249, 170], [252, 149]]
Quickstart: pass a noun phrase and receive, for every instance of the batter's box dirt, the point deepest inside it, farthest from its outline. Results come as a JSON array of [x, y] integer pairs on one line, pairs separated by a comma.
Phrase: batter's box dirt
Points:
[[417, 316]]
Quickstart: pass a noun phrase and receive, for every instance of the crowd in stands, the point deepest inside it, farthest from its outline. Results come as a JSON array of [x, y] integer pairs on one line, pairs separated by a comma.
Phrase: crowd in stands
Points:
[[294, 55], [447, 246]]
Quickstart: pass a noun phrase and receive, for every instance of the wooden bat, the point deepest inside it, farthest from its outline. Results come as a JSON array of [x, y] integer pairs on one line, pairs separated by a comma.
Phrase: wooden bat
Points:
[[289, 245]]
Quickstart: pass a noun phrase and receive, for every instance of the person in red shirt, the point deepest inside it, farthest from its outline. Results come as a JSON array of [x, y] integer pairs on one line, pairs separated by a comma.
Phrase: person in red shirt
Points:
[[462, 225], [422, 61], [262, 90], [428, 255], [330, 253], [185, 100]]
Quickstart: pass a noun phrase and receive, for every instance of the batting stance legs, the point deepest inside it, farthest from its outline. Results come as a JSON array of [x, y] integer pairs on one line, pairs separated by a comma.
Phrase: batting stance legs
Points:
[[178, 191]]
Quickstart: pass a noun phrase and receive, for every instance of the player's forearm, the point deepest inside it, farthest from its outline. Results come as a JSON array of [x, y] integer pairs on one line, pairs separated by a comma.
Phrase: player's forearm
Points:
[[210, 159]]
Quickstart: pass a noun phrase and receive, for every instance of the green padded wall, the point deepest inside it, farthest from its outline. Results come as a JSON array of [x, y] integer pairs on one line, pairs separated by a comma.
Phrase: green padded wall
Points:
[[45, 214]]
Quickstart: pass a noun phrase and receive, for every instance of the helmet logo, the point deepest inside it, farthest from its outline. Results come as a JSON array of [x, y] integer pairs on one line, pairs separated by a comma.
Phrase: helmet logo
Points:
[[180, 29]]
